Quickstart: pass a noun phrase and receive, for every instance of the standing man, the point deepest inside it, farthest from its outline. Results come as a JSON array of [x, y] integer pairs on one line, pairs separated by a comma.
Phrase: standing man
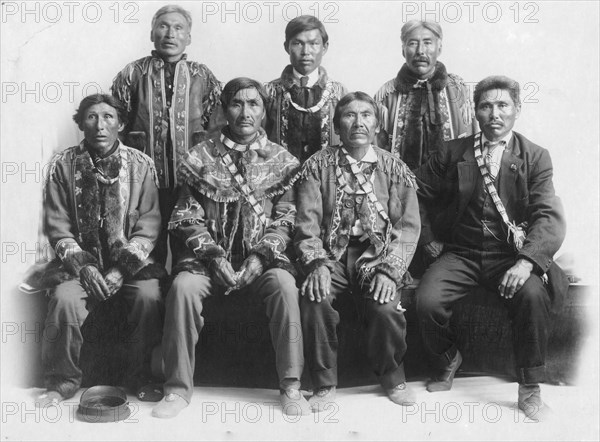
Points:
[[356, 231], [302, 101], [102, 219], [424, 105], [171, 104], [504, 225], [235, 213]]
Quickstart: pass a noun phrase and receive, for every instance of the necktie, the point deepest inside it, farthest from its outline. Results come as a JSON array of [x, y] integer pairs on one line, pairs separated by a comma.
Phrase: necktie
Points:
[[303, 81], [493, 166]]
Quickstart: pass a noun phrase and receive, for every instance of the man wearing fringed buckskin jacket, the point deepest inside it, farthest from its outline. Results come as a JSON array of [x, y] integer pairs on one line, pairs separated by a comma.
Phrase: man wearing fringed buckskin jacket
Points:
[[236, 213], [173, 104], [302, 101], [102, 218], [356, 232]]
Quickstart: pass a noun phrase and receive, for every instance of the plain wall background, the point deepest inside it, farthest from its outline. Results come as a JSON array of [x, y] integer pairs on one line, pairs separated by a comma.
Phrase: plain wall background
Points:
[[52, 55]]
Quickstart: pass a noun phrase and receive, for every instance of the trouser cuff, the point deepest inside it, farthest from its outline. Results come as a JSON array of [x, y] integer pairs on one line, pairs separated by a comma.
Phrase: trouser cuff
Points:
[[531, 375], [443, 361], [325, 377], [393, 378]]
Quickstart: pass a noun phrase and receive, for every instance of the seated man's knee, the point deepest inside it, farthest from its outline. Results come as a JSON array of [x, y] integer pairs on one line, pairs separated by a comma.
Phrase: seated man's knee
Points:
[[534, 292], [68, 293], [187, 284]]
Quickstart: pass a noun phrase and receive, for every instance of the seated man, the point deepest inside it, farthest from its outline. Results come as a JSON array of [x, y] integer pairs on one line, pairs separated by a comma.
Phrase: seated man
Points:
[[102, 218], [504, 224], [236, 211], [356, 231]]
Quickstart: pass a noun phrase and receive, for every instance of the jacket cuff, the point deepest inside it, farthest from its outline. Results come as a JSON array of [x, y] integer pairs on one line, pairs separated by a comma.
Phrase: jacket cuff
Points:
[[132, 258], [73, 257], [393, 267], [270, 247], [316, 263]]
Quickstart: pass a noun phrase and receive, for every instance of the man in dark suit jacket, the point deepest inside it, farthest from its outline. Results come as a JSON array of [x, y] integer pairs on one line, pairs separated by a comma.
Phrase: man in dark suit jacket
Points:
[[476, 245]]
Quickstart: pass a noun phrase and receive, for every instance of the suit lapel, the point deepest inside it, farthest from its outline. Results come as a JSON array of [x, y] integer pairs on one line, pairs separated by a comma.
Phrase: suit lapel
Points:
[[509, 172]]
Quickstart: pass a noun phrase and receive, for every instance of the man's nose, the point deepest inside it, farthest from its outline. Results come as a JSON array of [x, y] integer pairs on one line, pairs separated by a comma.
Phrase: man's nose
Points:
[[420, 48], [495, 113], [170, 32], [100, 124], [359, 121]]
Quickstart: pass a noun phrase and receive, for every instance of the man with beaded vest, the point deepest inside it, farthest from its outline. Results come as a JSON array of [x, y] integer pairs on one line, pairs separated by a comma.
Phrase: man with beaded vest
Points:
[[172, 104], [301, 102], [502, 224], [102, 218], [356, 231], [424, 105], [236, 213]]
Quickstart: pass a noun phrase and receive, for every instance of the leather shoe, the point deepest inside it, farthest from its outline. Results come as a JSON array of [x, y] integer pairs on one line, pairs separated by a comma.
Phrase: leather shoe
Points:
[[401, 394], [530, 402], [169, 406], [443, 381], [322, 396], [294, 403]]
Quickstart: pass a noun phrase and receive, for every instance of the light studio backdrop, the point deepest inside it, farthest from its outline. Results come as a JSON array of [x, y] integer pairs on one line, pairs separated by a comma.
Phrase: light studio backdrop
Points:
[[55, 53]]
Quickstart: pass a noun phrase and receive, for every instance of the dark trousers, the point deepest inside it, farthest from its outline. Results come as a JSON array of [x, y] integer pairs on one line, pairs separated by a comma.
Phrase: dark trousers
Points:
[[385, 327], [184, 321], [167, 198], [451, 277], [67, 310]]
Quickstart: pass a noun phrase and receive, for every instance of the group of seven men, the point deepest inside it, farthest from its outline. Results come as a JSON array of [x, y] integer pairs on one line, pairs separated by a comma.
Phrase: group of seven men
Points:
[[306, 196]]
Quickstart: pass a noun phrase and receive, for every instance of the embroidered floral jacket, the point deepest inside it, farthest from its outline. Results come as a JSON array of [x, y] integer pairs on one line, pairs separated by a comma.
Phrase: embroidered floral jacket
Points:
[[416, 119], [212, 206], [326, 213], [292, 128], [103, 224], [196, 92]]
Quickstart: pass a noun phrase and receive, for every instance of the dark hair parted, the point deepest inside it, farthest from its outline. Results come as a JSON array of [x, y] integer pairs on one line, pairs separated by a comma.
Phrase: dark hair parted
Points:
[[91, 100], [497, 82], [304, 23], [238, 84], [347, 99]]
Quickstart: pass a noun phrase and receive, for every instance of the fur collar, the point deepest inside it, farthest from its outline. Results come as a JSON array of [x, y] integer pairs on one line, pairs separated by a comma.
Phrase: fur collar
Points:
[[405, 79]]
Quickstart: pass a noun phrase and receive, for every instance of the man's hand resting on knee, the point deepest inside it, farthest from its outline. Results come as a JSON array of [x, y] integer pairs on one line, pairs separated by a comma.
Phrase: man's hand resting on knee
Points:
[[515, 278], [317, 285], [383, 288]]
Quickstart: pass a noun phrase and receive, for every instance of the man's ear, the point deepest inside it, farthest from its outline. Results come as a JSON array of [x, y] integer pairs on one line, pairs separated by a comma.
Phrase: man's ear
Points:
[[189, 39], [152, 35], [121, 127], [325, 47], [440, 48], [285, 46], [518, 109]]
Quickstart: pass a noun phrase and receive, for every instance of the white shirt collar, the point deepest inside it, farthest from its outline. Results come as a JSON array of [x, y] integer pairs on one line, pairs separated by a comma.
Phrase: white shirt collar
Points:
[[313, 77], [369, 157], [506, 139]]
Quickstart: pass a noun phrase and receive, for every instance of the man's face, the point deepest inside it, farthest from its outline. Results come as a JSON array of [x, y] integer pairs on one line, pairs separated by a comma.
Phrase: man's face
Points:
[[421, 51], [245, 113], [306, 50], [171, 35], [101, 127], [358, 125], [496, 113]]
